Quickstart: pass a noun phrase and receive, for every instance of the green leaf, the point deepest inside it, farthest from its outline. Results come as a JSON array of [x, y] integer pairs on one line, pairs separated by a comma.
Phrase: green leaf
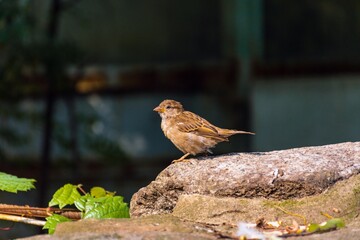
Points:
[[66, 195], [13, 184], [81, 202], [313, 227], [332, 224], [53, 220], [106, 207], [98, 192]]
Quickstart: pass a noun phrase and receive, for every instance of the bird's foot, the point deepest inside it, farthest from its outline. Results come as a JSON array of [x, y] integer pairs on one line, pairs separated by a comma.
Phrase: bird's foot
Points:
[[182, 159]]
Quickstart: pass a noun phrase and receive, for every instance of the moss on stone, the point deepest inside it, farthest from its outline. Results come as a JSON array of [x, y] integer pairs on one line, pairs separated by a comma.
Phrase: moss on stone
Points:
[[344, 195]]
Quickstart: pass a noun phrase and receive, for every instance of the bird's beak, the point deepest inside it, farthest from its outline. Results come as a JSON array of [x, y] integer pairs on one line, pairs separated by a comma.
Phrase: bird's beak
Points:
[[159, 109]]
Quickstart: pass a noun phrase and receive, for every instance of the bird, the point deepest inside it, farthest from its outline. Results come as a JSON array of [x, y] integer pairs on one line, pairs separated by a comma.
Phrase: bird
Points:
[[189, 132]]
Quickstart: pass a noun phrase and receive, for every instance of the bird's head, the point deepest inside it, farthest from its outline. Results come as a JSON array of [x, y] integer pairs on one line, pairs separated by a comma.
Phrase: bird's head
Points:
[[169, 108]]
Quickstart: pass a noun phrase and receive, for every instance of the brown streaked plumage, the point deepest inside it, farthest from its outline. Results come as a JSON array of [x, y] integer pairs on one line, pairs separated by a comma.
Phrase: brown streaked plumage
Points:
[[189, 132]]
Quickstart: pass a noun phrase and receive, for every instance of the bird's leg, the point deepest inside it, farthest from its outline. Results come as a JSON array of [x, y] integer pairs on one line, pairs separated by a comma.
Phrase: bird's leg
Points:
[[182, 159]]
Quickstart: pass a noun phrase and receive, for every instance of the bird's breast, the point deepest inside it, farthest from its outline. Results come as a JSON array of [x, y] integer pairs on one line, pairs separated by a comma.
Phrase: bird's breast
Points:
[[166, 127]]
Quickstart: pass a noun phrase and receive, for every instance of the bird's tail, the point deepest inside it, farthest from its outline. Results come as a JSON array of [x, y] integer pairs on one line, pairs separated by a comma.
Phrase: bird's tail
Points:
[[230, 132]]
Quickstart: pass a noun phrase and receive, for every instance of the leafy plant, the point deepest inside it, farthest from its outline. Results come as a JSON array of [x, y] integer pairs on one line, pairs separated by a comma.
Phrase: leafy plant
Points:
[[13, 184], [99, 203]]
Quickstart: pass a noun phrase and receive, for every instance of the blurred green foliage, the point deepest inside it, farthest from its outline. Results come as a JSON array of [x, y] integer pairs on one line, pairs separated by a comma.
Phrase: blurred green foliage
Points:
[[16, 38], [15, 33], [28, 61]]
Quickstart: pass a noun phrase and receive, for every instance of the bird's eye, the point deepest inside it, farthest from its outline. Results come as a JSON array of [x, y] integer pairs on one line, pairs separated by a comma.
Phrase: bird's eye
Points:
[[168, 107]]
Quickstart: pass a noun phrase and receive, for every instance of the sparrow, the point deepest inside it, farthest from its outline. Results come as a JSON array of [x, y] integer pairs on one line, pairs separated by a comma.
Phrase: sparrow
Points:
[[189, 132]]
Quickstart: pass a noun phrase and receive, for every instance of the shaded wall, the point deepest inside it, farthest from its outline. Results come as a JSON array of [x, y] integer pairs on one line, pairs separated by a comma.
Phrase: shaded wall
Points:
[[133, 32], [306, 111]]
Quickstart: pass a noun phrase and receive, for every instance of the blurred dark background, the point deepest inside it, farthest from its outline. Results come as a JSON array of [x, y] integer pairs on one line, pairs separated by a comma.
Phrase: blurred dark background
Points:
[[79, 80]]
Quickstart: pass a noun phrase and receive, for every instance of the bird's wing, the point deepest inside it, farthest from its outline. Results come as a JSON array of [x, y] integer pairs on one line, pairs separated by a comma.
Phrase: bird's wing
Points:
[[190, 122]]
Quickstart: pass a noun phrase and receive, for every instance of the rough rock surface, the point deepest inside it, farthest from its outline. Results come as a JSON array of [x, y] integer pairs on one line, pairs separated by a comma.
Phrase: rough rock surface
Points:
[[151, 227], [285, 174]]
